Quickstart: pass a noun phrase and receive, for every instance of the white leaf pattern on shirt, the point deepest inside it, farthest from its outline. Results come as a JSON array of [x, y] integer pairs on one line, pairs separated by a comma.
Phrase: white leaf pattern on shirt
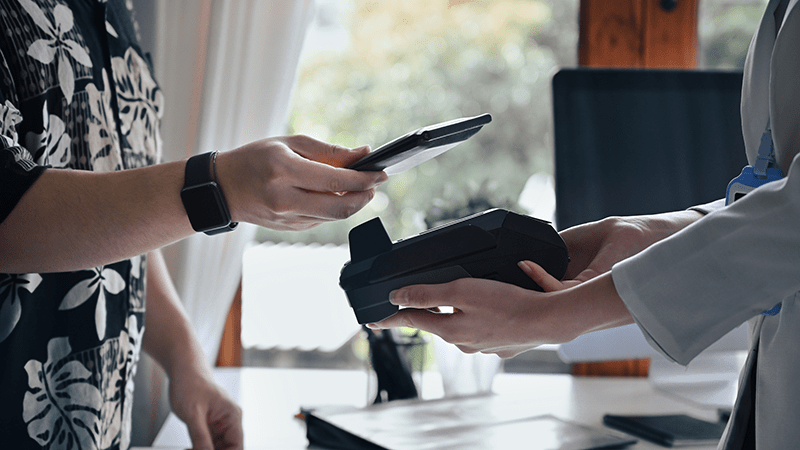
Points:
[[102, 139], [10, 303], [57, 46], [96, 144], [131, 346], [141, 104], [70, 405], [62, 407], [9, 118], [51, 145], [102, 281], [110, 30]]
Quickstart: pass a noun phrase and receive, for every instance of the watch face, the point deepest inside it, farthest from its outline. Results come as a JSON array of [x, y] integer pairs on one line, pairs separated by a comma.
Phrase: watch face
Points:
[[205, 207]]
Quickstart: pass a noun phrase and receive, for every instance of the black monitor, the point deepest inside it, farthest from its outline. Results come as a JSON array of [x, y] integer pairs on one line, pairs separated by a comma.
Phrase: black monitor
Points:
[[636, 141]]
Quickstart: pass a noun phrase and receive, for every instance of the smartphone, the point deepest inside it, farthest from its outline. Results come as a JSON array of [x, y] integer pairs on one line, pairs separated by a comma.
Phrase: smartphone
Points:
[[418, 146]]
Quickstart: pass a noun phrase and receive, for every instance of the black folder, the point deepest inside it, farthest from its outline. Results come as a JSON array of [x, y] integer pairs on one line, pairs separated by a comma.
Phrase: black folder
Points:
[[675, 430]]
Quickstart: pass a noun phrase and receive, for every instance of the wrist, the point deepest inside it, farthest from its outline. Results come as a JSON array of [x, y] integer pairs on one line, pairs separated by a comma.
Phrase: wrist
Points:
[[595, 305], [662, 226], [171, 342], [227, 174], [640, 232], [203, 197], [186, 359]]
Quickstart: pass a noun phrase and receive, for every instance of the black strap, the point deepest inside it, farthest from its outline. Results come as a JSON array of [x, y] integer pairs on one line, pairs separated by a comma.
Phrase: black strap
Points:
[[198, 169]]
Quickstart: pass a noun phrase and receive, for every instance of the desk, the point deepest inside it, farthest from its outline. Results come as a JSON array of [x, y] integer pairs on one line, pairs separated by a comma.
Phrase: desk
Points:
[[271, 397]]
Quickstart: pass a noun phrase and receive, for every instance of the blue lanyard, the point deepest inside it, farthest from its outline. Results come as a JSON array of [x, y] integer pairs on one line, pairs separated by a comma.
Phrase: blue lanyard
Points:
[[762, 172], [766, 156]]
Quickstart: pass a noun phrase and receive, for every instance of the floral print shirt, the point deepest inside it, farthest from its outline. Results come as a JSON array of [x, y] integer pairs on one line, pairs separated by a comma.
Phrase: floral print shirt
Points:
[[77, 92]]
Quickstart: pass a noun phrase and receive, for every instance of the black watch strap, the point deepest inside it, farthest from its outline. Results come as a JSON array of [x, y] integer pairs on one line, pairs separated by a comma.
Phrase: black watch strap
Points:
[[198, 170], [203, 198]]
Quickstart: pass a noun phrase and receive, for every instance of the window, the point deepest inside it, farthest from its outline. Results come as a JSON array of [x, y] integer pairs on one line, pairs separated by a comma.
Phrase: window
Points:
[[725, 28], [382, 69], [374, 70]]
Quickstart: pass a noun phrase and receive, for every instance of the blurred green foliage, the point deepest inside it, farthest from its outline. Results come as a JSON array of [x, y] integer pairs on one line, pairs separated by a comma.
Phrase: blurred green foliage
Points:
[[413, 63], [419, 62], [725, 29]]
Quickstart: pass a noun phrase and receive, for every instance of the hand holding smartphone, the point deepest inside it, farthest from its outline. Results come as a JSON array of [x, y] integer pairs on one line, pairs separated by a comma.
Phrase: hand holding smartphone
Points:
[[418, 146]]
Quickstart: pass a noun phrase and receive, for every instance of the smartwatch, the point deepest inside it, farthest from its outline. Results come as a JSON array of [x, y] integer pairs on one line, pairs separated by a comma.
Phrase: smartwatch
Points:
[[202, 197]]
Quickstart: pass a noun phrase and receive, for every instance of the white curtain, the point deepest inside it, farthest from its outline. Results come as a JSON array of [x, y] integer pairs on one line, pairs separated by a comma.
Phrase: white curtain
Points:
[[253, 47], [227, 69]]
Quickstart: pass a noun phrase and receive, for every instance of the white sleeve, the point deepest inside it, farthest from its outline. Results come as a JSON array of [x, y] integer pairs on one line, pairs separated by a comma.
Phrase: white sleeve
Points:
[[687, 291]]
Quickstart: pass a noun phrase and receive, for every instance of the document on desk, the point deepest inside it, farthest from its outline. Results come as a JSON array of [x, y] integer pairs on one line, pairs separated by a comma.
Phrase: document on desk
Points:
[[478, 422]]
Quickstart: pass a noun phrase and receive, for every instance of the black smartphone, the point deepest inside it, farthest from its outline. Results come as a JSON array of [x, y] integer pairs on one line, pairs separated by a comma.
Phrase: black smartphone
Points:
[[420, 145]]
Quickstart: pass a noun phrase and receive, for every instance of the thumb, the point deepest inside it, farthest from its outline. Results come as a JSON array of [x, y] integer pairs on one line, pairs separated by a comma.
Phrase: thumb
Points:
[[540, 276], [198, 431]]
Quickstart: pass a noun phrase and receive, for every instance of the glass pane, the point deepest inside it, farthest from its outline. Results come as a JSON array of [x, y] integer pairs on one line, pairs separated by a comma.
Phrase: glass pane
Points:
[[725, 28], [373, 71]]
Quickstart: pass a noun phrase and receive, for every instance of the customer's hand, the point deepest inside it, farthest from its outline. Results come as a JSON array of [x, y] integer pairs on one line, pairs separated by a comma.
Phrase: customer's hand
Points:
[[294, 182], [214, 420]]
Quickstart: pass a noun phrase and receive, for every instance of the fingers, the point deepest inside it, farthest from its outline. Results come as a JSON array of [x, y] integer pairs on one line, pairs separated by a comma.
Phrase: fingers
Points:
[[299, 205], [214, 422], [294, 182], [489, 316], [324, 168], [421, 319], [425, 296], [541, 277], [320, 177], [450, 327], [421, 305], [324, 152], [198, 430], [226, 426]]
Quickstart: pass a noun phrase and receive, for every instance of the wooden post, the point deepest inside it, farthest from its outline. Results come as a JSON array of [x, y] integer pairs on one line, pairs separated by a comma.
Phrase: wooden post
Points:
[[638, 33], [658, 34], [230, 348]]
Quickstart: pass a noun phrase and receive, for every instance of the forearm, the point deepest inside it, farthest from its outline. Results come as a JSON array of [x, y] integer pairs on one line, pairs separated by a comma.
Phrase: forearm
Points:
[[72, 219], [211, 415], [596, 305], [688, 291], [169, 337]]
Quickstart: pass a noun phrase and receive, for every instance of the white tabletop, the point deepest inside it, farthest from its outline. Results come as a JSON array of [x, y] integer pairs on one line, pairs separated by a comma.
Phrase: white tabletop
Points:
[[270, 398]]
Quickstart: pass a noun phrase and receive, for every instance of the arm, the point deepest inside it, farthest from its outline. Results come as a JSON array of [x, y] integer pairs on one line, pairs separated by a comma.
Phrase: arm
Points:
[[84, 219], [208, 411], [688, 292]]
